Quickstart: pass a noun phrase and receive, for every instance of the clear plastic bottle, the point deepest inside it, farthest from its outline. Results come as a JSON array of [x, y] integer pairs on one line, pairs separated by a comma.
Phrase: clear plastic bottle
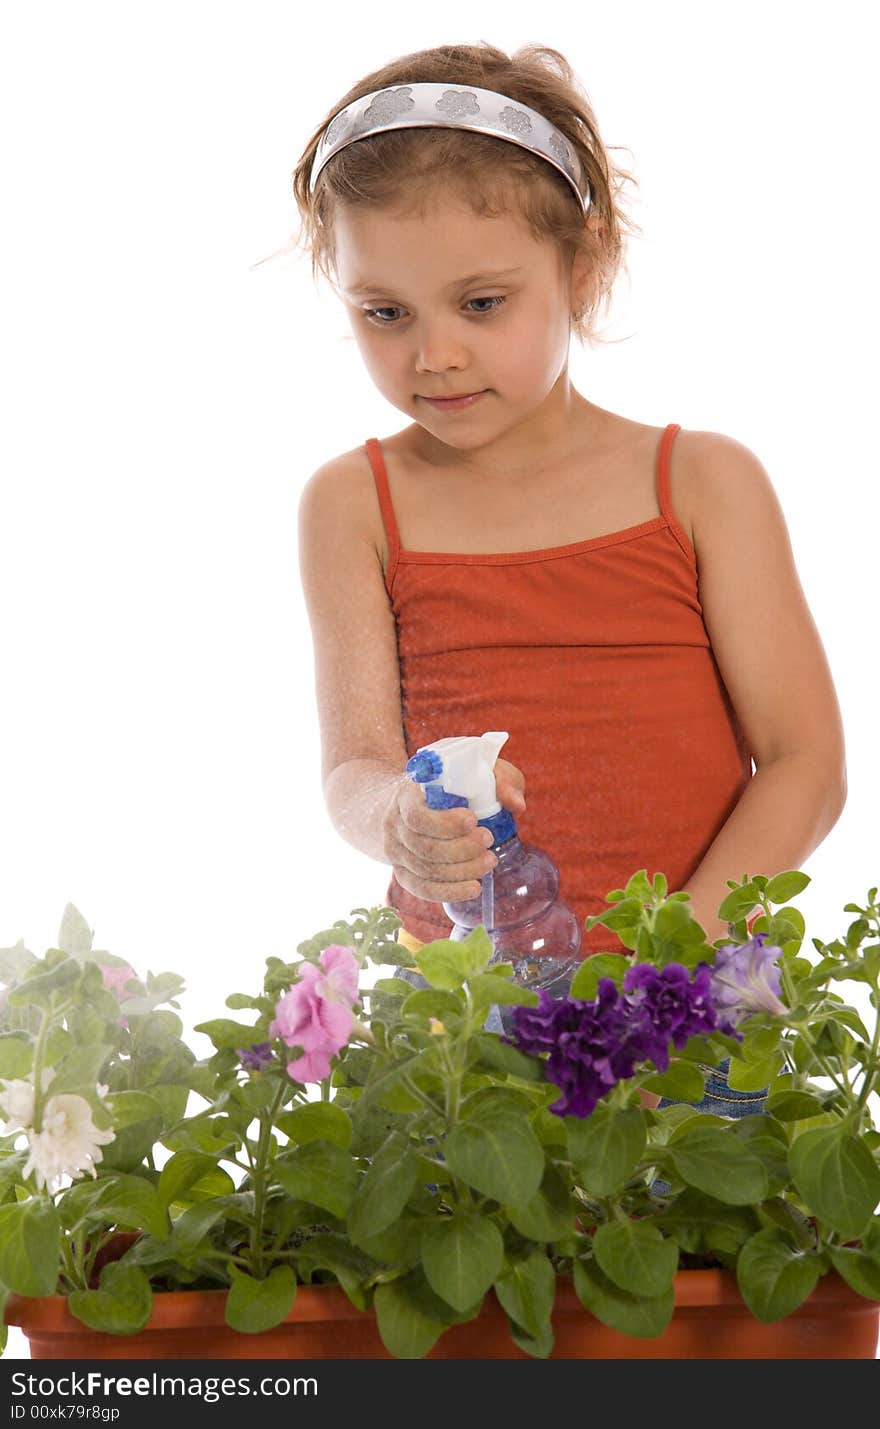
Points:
[[519, 904]]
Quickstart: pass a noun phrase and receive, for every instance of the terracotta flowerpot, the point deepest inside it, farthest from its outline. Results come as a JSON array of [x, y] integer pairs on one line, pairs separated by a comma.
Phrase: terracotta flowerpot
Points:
[[710, 1322]]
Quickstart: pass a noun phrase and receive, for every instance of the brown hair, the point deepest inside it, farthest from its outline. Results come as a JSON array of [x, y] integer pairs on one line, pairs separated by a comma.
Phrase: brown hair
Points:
[[487, 171]]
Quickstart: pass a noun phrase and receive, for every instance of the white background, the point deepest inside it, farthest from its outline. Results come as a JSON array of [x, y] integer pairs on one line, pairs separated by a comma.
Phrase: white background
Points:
[[165, 401]]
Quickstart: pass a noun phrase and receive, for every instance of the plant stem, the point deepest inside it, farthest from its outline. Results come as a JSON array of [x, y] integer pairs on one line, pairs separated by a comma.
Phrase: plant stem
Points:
[[40, 1047], [870, 1078], [802, 1028], [259, 1177]]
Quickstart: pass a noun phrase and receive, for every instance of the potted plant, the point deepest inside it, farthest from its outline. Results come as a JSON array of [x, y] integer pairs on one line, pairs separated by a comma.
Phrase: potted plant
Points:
[[370, 1173]]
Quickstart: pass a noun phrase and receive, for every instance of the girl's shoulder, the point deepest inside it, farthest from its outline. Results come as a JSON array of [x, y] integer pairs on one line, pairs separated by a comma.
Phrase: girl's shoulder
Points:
[[338, 501]]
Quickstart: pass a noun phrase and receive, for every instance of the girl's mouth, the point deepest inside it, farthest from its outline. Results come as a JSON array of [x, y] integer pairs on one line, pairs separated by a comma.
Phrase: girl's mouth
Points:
[[454, 404]]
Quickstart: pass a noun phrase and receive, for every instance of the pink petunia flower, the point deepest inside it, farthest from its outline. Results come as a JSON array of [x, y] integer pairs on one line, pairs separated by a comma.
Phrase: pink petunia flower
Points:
[[116, 976], [316, 1013]]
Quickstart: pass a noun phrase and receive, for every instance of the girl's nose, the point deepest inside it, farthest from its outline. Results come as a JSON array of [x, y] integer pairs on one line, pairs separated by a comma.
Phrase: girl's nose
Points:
[[438, 350]]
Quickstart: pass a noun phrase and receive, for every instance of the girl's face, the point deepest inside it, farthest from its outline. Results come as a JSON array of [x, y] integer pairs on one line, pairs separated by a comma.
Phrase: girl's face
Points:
[[449, 303]]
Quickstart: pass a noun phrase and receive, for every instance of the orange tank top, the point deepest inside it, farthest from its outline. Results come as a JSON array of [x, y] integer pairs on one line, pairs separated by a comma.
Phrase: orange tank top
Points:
[[596, 658]]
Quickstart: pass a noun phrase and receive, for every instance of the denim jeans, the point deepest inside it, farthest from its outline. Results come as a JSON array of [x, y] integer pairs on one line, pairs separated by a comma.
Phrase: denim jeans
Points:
[[722, 1099]]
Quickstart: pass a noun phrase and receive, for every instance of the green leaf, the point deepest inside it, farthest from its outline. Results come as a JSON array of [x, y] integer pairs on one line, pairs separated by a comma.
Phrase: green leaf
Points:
[[527, 1289], [738, 903], [487, 991], [132, 1144], [548, 1214], [497, 1152], [223, 1032], [14, 963], [316, 1121], [681, 1082], [428, 1002], [181, 1171], [189, 1232], [399, 1244], [448, 965], [461, 1256], [132, 1202], [129, 1108], [711, 1159], [704, 1226], [774, 1278], [80, 1068], [538, 1346], [381, 1083], [486, 1049], [39, 990], [754, 1073], [392, 986], [385, 1189], [785, 886], [786, 1214], [320, 1172], [78, 1200], [606, 1147], [766, 1138], [16, 1055], [859, 1268], [30, 1247], [405, 1330], [630, 1314], [255, 1096], [121, 1305], [793, 1105], [636, 1257], [253, 1305], [334, 1253], [585, 983], [837, 1177], [172, 1099]]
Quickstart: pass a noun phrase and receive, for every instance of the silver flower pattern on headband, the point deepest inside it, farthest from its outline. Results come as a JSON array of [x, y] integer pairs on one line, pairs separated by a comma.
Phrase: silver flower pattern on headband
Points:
[[561, 150], [337, 126], [387, 105], [516, 121], [458, 104]]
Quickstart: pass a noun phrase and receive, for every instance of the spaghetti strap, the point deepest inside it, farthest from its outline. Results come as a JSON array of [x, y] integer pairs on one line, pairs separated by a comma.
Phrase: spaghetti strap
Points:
[[664, 496], [383, 491]]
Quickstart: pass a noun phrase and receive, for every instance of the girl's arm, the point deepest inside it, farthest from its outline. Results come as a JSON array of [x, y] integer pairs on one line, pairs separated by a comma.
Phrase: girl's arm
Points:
[[357, 676], [370, 801], [773, 664]]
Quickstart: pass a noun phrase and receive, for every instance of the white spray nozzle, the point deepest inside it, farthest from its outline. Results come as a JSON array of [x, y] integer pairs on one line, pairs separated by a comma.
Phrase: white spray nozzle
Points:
[[464, 766]]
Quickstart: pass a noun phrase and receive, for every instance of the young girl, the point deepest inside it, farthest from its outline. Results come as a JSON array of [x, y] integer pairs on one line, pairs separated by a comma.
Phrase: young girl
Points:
[[620, 597]]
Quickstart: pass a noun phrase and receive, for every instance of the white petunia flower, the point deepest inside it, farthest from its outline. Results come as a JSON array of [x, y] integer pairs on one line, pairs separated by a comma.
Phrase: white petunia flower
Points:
[[69, 1141], [17, 1100]]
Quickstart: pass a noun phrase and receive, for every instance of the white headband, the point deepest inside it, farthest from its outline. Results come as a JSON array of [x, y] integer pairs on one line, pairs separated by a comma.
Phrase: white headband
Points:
[[482, 111]]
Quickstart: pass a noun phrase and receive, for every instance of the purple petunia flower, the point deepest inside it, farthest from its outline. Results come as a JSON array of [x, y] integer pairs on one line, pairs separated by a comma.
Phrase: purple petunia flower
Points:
[[593, 1045], [745, 978], [589, 1052], [666, 1005], [258, 1057]]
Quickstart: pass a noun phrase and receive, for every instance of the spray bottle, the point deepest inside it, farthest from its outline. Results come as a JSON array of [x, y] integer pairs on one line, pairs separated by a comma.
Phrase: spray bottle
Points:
[[519, 906]]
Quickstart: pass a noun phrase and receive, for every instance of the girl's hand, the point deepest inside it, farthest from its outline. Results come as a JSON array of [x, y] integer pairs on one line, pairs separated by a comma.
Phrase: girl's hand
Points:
[[510, 786], [441, 854]]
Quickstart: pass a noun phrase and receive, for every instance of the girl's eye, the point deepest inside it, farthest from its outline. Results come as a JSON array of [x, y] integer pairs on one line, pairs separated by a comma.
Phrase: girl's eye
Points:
[[373, 314]]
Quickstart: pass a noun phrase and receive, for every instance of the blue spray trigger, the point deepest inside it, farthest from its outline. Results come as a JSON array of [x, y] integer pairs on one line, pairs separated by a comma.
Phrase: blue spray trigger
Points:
[[436, 797]]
